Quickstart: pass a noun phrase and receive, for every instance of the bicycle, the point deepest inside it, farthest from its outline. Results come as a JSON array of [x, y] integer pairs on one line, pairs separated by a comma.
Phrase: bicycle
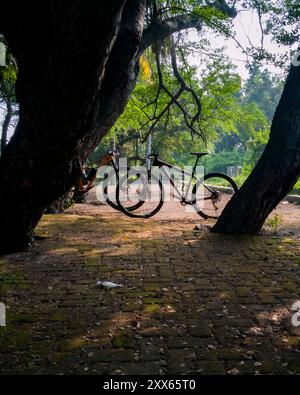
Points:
[[87, 182], [218, 190]]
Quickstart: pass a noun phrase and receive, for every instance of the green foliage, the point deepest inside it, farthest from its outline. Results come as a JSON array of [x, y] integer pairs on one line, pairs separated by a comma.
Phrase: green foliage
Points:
[[220, 161], [8, 105], [264, 90], [8, 78], [218, 88], [256, 146], [296, 188]]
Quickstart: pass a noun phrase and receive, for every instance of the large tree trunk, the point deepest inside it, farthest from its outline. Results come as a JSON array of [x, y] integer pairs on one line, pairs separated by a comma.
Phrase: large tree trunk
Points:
[[62, 58], [5, 125], [275, 174]]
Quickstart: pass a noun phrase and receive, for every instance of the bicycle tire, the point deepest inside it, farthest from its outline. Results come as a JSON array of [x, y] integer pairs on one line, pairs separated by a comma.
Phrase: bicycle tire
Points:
[[131, 214], [112, 204], [199, 184]]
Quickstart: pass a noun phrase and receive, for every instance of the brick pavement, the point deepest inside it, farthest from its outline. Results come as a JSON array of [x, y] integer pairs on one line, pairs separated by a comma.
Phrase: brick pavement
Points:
[[192, 302]]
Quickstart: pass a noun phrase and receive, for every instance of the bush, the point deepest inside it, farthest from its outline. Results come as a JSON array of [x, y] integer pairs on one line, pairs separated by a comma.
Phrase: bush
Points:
[[240, 179], [219, 162], [296, 189]]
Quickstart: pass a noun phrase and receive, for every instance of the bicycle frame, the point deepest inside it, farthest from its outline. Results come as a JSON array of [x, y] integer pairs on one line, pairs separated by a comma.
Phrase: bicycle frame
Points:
[[111, 157], [183, 197]]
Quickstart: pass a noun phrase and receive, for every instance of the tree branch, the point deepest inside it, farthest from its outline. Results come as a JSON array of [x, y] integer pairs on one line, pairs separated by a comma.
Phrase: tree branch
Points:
[[160, 29], [190, 120]]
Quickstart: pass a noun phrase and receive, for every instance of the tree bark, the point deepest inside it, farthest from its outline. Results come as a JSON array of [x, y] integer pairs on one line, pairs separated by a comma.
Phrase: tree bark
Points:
[[121, 76], [275, 174], [62, 59], [5, 126]]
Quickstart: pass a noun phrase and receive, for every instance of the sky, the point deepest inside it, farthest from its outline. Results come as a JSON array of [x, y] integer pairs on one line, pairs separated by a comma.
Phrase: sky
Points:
[[246, 26]]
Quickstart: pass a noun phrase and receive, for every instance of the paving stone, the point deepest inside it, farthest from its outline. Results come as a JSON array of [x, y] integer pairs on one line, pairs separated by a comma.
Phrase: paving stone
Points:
[[243, 291], [189, 303], [210, 368]]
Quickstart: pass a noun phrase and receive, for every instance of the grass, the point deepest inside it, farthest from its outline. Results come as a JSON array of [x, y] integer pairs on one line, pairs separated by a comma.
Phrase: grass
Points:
[[275, 222]]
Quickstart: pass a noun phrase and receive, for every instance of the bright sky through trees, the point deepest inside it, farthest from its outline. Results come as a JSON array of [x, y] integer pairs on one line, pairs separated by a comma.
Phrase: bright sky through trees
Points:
[[248, 32]]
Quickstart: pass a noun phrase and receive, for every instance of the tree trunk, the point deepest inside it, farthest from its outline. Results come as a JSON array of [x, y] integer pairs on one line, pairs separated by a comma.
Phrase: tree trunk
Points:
[[5, 126], [59, 205], [62, 59], [275, 174]]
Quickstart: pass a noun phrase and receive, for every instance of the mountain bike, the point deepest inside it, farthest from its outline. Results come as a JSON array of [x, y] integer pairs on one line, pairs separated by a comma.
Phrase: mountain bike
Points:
[[104, 177], [207, 195]]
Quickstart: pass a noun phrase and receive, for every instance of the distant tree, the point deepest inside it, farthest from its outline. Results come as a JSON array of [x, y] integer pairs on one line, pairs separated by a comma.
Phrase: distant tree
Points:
[[263, 89], [8, 105]]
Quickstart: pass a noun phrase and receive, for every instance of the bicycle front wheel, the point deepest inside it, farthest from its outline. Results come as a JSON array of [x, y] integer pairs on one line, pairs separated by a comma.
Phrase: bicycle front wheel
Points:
[[212, 194], [147, 197], [108, 192]]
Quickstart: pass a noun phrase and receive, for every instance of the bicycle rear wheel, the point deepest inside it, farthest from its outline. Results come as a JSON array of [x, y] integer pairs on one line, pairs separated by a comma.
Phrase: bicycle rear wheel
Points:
[[212, 194]]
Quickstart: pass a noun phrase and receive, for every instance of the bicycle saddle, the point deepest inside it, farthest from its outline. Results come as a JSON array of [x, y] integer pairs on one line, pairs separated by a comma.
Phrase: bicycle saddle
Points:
[[199, 154]]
